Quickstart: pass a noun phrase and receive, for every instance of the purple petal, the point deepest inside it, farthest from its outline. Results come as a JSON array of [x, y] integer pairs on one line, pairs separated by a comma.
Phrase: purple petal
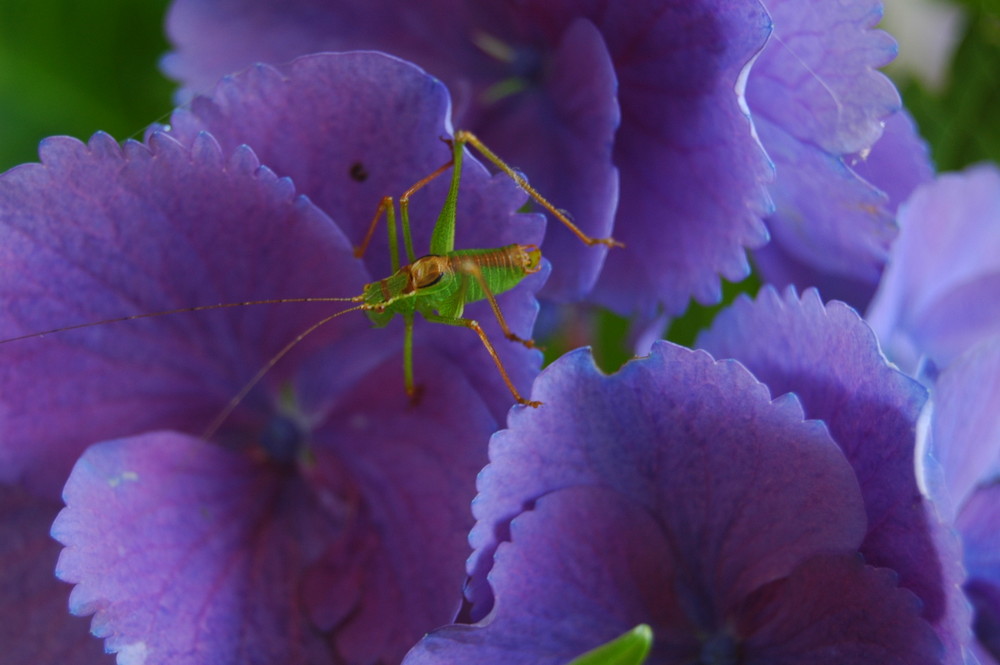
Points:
[[965, 427], [565, 134], [97, 232], [643, 493], [809, 619], [691, 193], [829, 358], [896, 164], [939, 294], [978, 522], [691, 171], [187, 552], [35, 626], [899, 162], [678, 419], [583, 566], [356, 98], [816, 79], [816, 100], [827, 217]]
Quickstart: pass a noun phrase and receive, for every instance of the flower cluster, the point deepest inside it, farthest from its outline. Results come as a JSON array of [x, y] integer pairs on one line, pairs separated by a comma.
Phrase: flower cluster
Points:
[[203, 433]]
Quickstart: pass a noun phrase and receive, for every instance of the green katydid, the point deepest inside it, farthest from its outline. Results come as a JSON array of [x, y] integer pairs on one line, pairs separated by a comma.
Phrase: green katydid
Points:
[[437, 285]]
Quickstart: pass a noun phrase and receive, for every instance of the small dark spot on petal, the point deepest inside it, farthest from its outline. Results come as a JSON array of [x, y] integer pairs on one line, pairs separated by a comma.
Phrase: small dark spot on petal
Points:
[[358, 172]]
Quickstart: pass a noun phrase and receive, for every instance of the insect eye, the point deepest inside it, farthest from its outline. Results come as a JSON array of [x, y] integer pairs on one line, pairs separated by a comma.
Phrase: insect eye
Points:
[[427, 271]]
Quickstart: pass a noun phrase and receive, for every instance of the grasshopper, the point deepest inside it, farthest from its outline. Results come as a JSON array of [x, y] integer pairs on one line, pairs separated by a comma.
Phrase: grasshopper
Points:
[[438, 285]]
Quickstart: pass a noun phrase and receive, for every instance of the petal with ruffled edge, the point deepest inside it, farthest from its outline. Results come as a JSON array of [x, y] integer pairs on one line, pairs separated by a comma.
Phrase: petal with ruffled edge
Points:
[[657, 410], [382, 121], [692, 174], [897, 164], [830, 359], [816, 99], [939, 294], [35, 626], [188, 553], [677, 494], [98, 231]]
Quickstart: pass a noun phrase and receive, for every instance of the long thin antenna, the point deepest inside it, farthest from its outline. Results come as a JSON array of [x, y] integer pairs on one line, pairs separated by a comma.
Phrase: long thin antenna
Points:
[[245, 390], [199, 308]]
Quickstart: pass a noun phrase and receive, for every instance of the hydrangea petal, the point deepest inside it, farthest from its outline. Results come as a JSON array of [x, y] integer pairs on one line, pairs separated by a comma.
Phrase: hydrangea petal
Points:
[[566, 136], [99, 231], [899, 162], [691, 178], [826, 215], [965, 429], [415, 473], [948, 247], [35, 626], [627, 511], [816, 79], [172, 545], [831, 360], [384, 118], [668, 419], [978, 523], [808, 621], [896, 165]]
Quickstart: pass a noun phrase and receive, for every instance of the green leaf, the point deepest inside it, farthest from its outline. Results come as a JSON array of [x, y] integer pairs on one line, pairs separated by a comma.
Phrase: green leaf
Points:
[[959, 122], [629, 649]]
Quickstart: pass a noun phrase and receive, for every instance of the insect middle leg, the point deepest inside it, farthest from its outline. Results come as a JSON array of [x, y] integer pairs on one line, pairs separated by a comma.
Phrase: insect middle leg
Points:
[[474, 326]]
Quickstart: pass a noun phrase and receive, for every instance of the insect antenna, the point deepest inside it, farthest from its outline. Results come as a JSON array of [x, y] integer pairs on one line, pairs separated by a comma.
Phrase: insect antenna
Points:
[[249, 385], [182, 310]]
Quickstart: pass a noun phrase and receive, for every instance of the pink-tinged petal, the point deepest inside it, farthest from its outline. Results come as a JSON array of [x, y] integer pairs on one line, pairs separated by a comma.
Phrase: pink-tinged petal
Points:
[[807, 618], [939, 294], [683, 436], [829, 358], [965, 427], [383, 123], [35, 624], [98, 231], [816, 79]]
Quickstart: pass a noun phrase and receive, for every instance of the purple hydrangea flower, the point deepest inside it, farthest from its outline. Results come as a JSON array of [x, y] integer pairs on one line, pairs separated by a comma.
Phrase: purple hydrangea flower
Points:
[[941, 293], [937, 311], [677, 493], [830, 359], [962, 464], [325, 520], [582, 96]]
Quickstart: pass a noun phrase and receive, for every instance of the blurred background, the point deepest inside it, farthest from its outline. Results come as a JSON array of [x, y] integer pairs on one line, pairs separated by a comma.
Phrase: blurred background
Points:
[[73, 67]]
